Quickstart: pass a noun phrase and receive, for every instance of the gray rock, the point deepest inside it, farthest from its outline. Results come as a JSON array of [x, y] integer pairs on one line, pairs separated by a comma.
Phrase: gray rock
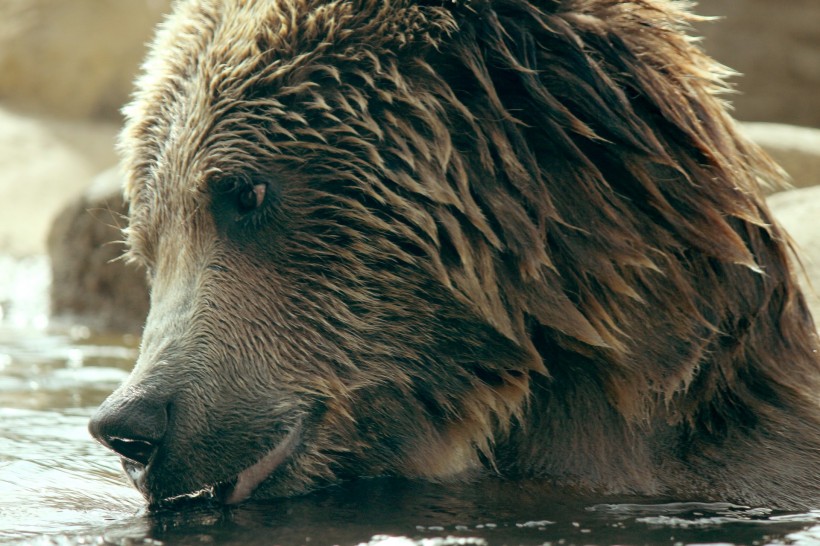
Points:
[[43, 164], [796, 149], [73, 58], [798, 211], [91, 284]]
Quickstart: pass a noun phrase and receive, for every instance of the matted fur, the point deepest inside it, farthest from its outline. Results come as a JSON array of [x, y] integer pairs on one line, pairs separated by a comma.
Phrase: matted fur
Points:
[[500, 236]]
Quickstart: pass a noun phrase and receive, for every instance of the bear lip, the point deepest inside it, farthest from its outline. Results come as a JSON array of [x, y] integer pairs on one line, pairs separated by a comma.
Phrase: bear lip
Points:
[[249, 479]]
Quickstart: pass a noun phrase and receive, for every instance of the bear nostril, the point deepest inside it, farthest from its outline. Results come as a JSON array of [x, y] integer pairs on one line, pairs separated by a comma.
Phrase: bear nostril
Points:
[[138, 451], [132, 423]]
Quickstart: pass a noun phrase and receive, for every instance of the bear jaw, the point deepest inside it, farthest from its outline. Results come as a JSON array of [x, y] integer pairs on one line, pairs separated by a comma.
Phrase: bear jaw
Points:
[[249, 479]]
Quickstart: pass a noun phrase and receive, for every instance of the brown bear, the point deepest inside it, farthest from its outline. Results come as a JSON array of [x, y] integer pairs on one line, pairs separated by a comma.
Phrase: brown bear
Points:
[[457, 238]]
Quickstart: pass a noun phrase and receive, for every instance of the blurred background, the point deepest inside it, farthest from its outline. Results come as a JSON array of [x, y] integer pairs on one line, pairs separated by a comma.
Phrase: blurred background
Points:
[[66, 69]]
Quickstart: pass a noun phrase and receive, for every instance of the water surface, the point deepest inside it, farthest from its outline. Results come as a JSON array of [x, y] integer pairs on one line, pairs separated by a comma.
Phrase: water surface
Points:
[[58, 487]]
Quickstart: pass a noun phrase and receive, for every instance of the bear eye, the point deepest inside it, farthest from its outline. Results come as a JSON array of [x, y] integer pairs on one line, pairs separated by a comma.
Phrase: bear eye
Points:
[[243, 201], [251, 197]]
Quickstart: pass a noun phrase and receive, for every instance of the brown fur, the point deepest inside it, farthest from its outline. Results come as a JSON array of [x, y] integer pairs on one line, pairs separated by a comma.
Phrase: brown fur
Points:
[[500, 236]]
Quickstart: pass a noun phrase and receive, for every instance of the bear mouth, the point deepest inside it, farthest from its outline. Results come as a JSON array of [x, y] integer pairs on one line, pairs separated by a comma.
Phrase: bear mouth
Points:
[[241, 487], [234, 490]]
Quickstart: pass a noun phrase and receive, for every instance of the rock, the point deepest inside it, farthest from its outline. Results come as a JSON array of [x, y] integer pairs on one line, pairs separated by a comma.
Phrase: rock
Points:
[[73, 59], [90, 284], [776, 48], [799, 212], [42, 165], [796, 149]]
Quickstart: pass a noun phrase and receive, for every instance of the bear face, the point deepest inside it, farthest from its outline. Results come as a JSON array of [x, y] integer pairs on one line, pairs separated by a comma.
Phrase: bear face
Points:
[[395, 238]]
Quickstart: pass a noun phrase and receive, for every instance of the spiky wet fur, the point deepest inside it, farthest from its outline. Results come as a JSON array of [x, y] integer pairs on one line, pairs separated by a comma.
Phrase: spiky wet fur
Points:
[[509, 236]]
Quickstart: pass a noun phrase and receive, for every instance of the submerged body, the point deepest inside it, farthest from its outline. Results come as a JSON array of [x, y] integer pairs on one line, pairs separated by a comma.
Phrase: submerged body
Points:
[[397, 238]]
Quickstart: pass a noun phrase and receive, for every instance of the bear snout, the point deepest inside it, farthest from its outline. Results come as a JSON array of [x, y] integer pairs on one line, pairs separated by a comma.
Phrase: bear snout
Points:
[[132, 423]]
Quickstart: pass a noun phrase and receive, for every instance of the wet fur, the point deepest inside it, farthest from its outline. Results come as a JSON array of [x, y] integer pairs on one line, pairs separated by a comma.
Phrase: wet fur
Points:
[[501, 236]]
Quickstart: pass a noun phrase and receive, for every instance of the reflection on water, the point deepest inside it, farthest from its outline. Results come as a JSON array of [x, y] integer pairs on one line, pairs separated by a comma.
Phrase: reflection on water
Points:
[[53, 478], [58, 487]]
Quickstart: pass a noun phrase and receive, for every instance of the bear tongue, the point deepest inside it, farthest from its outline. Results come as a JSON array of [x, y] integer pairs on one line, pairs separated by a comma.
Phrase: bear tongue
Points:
[[250, 478]]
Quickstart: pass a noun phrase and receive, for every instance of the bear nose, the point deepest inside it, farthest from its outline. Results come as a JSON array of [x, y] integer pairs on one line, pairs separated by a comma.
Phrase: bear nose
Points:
[[131, 425]]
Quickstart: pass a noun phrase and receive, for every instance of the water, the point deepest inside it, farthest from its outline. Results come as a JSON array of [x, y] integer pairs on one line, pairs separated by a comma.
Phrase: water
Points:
[[58, 487]]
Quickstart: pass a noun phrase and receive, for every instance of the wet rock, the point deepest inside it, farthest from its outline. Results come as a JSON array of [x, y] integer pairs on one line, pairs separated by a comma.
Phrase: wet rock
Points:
[[799, 212], [91, 284], [796, 149], [42, 165], [73, 59]]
